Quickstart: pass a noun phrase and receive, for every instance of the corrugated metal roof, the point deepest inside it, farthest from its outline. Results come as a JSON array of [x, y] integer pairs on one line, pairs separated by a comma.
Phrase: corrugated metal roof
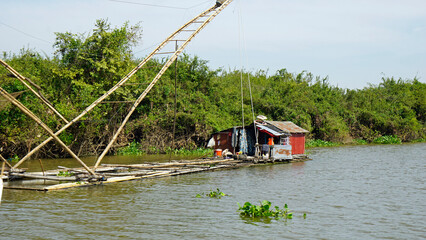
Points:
[[269, 130], [289, 127]]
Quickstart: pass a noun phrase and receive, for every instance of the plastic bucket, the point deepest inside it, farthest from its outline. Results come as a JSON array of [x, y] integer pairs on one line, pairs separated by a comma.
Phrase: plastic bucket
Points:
[[218, 152]]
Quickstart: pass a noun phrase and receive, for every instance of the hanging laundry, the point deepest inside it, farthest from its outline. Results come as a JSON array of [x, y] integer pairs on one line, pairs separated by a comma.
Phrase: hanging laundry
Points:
[[243, 141]]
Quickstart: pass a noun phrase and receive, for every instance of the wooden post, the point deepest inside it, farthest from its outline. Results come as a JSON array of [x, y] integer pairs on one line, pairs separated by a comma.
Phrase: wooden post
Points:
[[44, 126], [42, 168]]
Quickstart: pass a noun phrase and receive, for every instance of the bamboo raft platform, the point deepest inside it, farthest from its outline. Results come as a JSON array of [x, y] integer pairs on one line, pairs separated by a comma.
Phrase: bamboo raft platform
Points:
[[50, 180]]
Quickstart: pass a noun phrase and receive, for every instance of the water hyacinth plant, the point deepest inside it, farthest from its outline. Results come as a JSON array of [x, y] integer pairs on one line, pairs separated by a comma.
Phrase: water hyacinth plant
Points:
[[212, 194], [387, 140], [320, 143], [133, 149], [264, 210]]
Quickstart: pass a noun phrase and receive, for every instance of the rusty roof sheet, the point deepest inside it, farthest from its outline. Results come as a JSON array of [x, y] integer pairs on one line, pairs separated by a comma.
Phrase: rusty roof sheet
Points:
[[289, 127], [271, 131]]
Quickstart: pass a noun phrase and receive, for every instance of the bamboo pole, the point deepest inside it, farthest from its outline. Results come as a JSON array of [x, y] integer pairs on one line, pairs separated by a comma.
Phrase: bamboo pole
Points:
[[2, 170], [156, 174], [24, 81], [44, 126], [52, 178], [175, 55], [5, 161], [173, 164]]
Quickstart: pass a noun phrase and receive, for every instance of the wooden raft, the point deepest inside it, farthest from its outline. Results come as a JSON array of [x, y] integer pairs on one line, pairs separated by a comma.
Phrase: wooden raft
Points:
[[112, 173]]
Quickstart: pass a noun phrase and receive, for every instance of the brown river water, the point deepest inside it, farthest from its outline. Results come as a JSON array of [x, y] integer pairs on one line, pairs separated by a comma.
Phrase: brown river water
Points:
[[357, 192]]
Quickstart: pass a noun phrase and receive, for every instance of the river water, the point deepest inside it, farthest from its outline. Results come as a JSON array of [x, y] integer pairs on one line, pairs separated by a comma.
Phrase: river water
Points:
[[358, 192]]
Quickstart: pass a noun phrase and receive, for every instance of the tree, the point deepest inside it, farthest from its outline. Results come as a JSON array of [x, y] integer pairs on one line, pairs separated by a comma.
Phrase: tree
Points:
[[99, 60]]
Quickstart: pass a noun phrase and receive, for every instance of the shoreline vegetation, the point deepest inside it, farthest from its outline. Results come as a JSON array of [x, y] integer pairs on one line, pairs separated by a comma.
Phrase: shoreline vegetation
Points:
[[313, 143], [85, 66], [134, 148]]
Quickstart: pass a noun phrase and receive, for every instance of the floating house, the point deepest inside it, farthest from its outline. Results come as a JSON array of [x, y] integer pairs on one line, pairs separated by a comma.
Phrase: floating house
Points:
[[275, 140]]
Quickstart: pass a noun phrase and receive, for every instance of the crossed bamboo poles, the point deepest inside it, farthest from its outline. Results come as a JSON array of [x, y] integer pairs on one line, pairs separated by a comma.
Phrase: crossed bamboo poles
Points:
[[201, 20]]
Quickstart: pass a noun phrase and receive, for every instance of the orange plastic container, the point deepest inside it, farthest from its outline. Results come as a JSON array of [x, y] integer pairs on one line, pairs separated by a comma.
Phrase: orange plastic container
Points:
[[218, 152]]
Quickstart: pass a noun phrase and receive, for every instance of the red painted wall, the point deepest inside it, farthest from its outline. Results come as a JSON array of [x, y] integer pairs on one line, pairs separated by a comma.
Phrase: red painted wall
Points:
[[297, 142]]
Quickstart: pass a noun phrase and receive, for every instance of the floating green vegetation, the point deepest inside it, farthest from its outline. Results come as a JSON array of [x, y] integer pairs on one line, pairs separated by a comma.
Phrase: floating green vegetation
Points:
[[14, 159], [65, 174], [360, 142], [264, 210], [387, 140], [188, 152], [212, 194], [133, 149], [320, 143]]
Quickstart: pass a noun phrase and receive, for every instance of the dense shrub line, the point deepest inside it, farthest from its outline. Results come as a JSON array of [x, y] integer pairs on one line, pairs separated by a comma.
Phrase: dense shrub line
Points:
[[84, 67]]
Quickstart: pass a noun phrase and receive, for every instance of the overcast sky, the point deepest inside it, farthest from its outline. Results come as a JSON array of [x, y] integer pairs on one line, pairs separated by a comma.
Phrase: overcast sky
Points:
[[353, 42]]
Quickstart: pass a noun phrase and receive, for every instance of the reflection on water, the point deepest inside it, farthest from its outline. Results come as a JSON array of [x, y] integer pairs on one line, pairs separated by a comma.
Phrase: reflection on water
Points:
[[363, 192]]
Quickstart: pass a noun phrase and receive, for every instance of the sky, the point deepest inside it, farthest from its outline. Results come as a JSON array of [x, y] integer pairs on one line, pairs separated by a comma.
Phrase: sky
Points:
[[352, 42]]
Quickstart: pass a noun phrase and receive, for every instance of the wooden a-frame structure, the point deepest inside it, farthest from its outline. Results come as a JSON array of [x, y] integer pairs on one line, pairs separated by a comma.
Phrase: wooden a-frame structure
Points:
[[179, 40]]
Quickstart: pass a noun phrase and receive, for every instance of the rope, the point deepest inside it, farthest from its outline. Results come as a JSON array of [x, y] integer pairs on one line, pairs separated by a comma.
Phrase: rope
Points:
[[241, 63], [175, 110], [242, 39]]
